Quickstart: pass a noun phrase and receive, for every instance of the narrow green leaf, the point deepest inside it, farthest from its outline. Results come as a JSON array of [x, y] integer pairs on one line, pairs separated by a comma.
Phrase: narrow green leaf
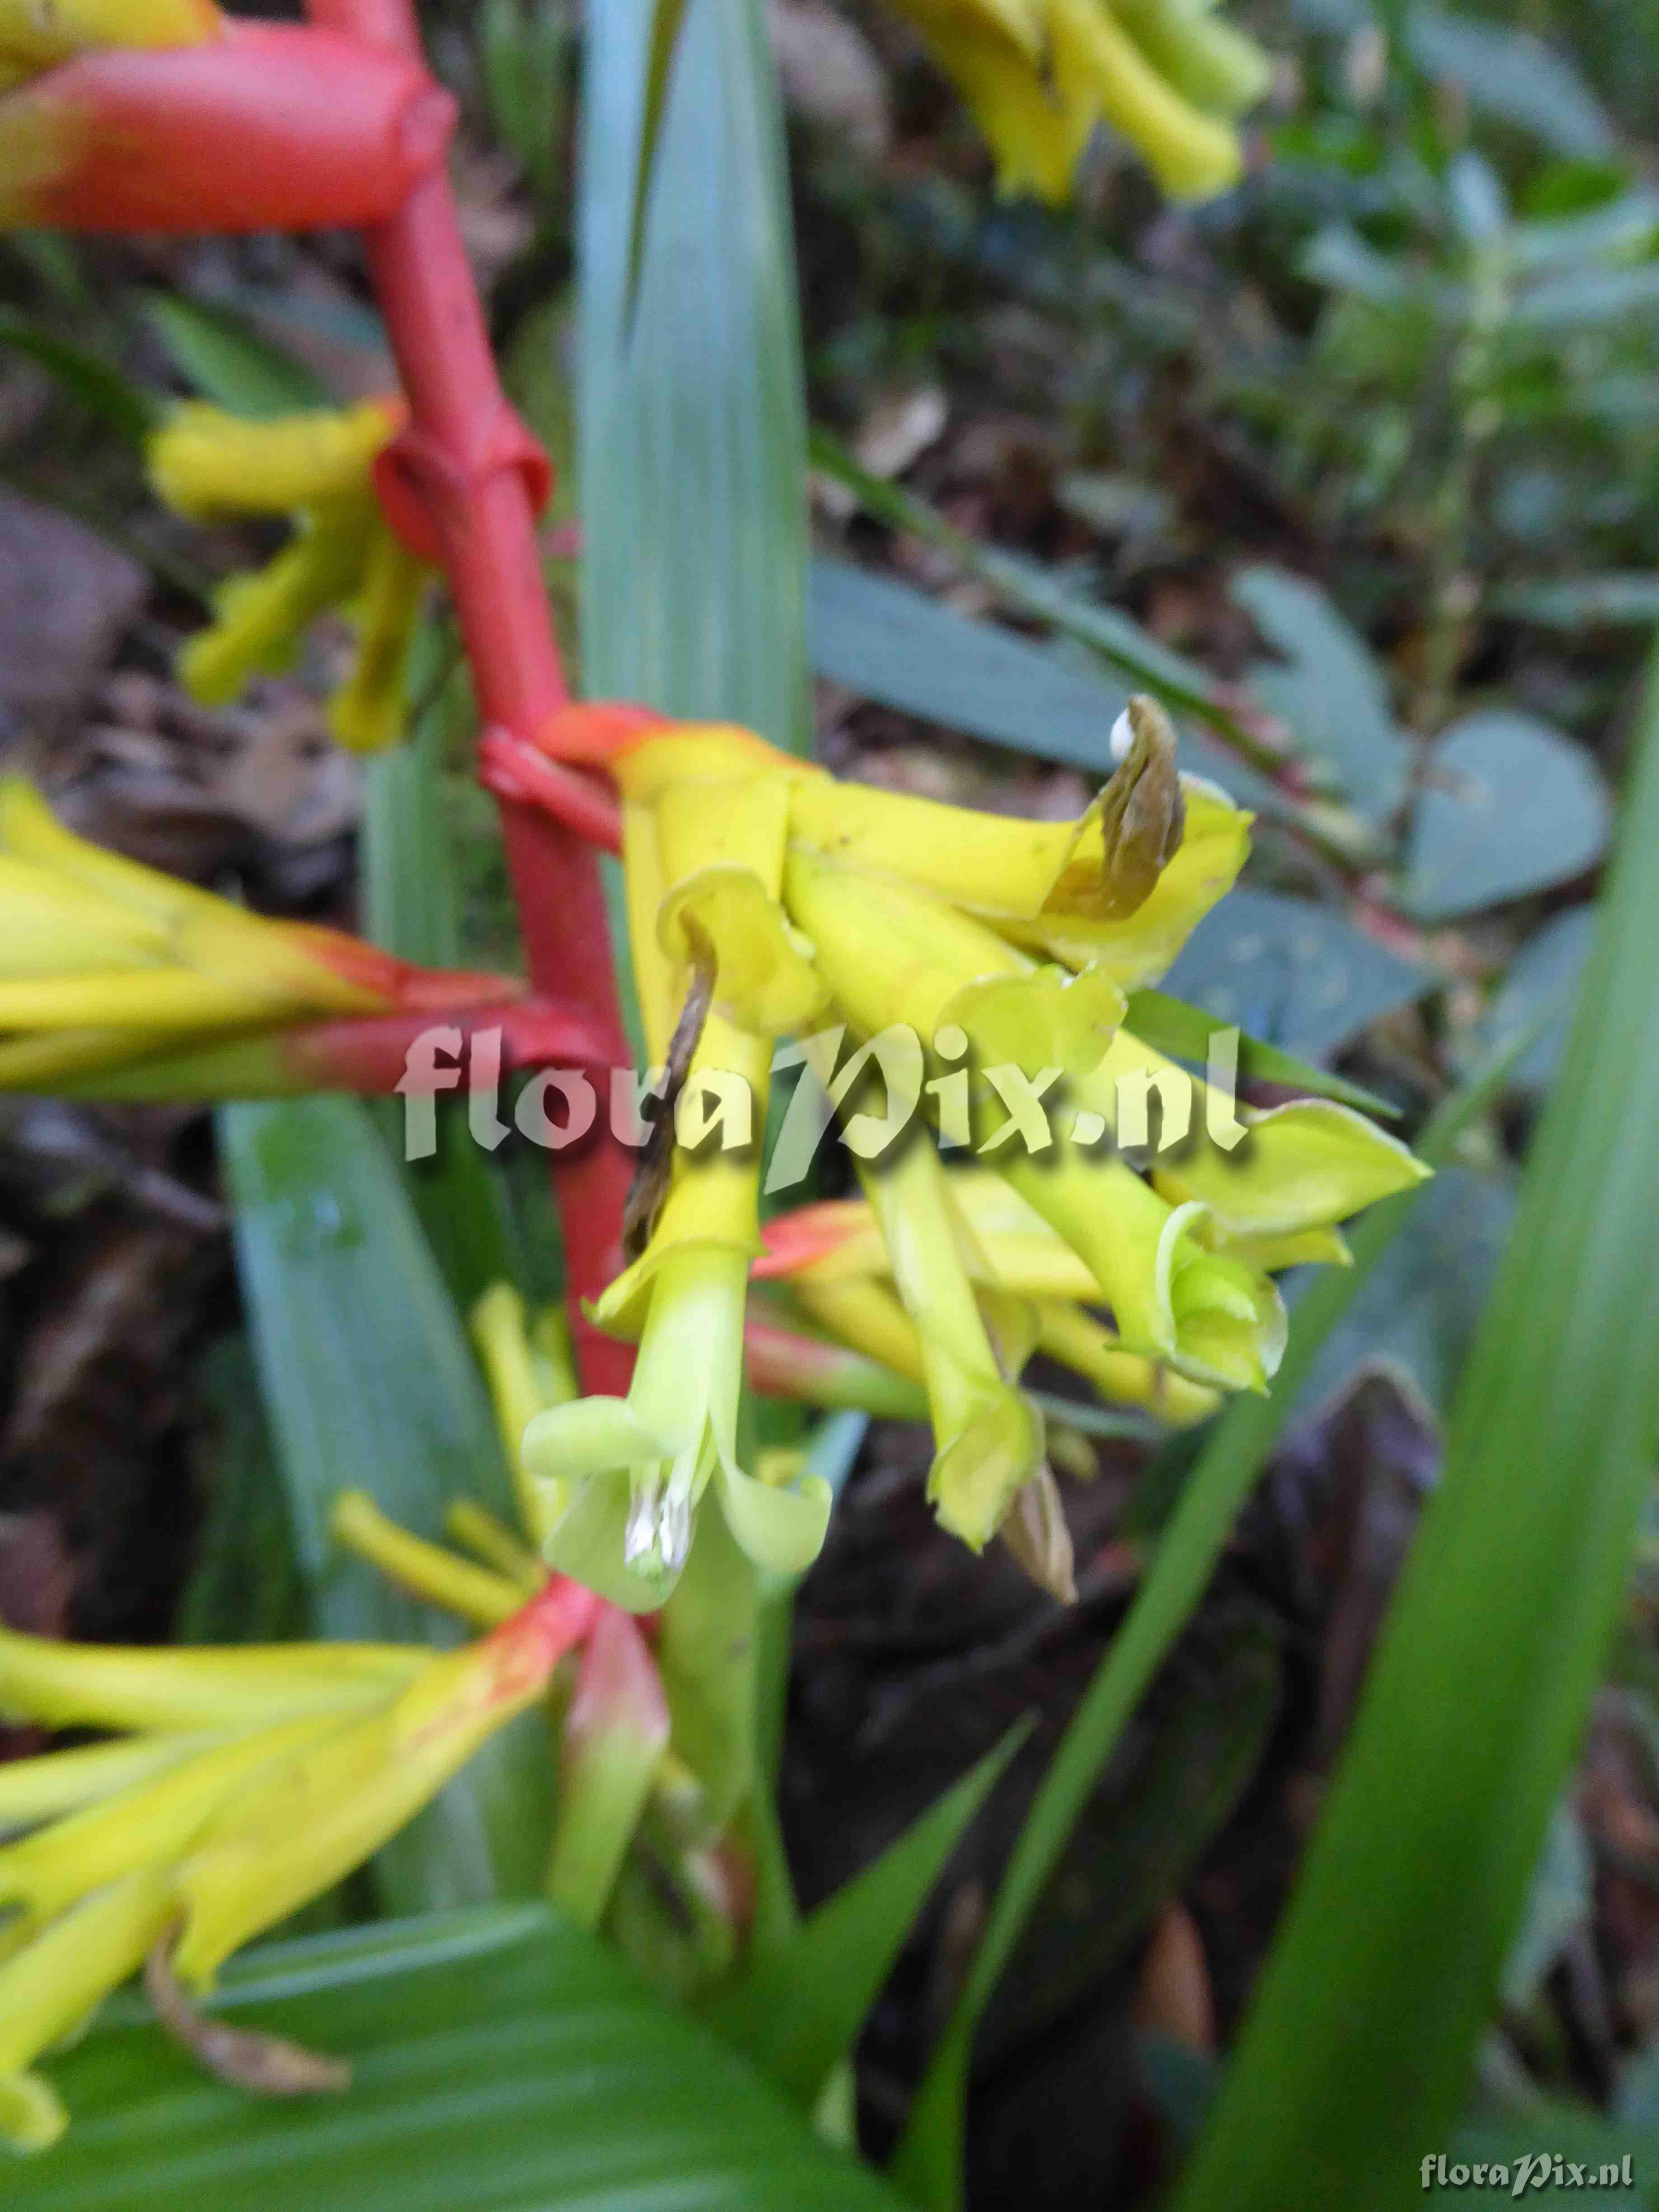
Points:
[[370, 1383], [800, 2009], [221, 353], [928, 2165], [1574, 602], [692, 439], [1478, 1692], [1184, 1032], [501, 2058], [127, 408], [411, 907]]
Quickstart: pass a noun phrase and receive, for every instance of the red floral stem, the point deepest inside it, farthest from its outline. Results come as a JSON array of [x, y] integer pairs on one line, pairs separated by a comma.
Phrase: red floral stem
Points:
[[463, 481]]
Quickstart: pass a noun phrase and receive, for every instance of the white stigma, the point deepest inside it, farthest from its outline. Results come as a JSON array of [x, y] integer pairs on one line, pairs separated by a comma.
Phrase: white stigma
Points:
[[1122, 736]]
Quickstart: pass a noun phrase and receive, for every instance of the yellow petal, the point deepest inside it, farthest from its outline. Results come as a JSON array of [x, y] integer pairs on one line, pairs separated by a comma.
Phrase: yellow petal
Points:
[[53, 1983], [1036, 131], [1192, 155], [1209, 62], [56, 1685], [1301, 1167], [766, 983], [1301, 1247], [53, 926], [367, 713], [308, 1819], [863, 1312], [1077, 1340], [995, 866], [989, 1437], [32, 1790], [259, 620], [206, 462], [147, 1825]]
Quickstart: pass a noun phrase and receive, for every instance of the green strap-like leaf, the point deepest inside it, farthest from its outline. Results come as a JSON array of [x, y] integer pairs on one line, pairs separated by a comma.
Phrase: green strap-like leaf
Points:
[[370, 1384], [799, 2008], [1356, 2053], [928, 2166], [1184, 1032], [502, 2062], [692, 437]]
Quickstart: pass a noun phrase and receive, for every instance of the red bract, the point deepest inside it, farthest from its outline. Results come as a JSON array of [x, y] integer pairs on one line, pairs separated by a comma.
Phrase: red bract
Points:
[[466, 479], [372, 1057], [270, 127]]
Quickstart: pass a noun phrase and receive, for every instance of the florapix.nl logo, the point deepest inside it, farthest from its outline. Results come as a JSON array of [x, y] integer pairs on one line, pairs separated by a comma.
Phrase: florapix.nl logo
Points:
[[875, 1089]]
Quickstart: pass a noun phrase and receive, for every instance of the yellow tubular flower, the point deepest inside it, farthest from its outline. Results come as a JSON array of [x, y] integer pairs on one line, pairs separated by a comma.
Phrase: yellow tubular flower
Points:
[[1009, 1247], [109, 968], [1038, 77], [704, 830], [989, 1434], [319, 1754], [761, 891], [34, 36], [316, 467], [890, 955], [1299, 1168]]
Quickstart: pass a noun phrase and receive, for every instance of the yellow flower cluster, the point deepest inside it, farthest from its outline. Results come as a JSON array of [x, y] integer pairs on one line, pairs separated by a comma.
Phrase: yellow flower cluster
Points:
[[245, 1782], [765, 898], [1040, 73], [124, 981], [315, 467]]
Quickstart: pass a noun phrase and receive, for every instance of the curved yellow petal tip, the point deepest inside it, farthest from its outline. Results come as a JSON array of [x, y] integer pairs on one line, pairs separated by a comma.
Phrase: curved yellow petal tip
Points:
[[32, 2115], [982, 1469]]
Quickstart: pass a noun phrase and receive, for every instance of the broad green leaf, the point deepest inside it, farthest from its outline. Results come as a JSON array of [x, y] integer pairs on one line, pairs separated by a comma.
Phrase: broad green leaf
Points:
[[370, 1384], [220, 352], [1539, 993], [1624, 228], [1418, 1312], [1575, 602], [1338, 256], [1590, 298], [1326, 687], [889, 642], [1512, 807], [503, 2060], [929, 2164], [1184, 1032], [1479, 1685], [691, 429], [1510, 73], [798, 2009], [1291, 972], [1183, 2082], [1029, 589], [126, 407]]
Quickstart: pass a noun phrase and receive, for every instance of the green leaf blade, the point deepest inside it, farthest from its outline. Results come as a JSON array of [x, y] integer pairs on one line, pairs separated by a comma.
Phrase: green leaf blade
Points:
[[502, 2059], [1479, 1686]]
